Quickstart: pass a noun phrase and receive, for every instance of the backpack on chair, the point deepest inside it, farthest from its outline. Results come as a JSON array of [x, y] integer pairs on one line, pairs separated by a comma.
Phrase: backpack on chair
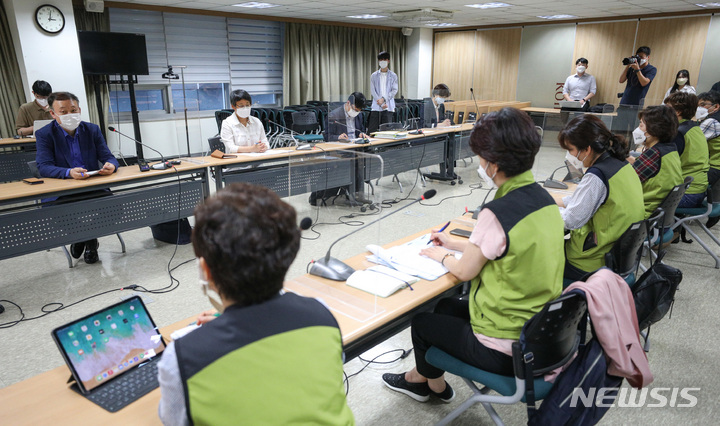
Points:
[[654, 292]]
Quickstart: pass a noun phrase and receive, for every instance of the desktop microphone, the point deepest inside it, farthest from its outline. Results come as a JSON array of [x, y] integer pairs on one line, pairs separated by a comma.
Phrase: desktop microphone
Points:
[[477, 110], [552, 183], [334, 269], [162, 165], [413, 119], [305, 224]]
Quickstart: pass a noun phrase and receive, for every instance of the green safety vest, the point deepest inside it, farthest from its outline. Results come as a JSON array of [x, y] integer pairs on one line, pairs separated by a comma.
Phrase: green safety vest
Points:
[[694, 156], [714, 145], [656, 188], [623, 206], [274, 363], [512, 288]]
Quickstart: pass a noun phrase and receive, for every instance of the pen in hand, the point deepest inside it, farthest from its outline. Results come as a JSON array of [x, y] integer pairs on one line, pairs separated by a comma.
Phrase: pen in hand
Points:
[[440, 231]]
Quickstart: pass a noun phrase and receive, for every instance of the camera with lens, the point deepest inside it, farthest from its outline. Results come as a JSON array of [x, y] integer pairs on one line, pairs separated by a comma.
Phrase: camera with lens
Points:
[[630, 60]]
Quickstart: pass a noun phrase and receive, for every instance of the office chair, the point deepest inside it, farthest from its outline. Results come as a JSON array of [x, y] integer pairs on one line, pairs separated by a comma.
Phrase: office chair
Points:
[[216, 144], [221, 115], [552, 337], [391, 126], [306, 123], [662, 232], [711, 208], [624, 256], [32, 165]]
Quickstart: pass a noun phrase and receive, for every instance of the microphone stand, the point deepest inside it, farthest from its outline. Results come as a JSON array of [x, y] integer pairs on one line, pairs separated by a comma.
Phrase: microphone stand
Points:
[[477, 110], [334, 269], [165, 164], [552, 183]]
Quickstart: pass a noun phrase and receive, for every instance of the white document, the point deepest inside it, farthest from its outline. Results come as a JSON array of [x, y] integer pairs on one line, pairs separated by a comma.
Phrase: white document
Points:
[[380, 280], [407, 258], [268, 152]]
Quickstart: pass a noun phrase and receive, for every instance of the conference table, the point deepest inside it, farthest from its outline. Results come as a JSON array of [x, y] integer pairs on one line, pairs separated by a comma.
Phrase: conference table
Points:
[[364, 321], [14, 156]]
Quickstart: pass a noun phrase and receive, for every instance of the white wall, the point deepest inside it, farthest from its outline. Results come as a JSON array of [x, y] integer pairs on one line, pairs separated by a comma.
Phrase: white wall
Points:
[[419, 63], [545, 57], [42, 56]]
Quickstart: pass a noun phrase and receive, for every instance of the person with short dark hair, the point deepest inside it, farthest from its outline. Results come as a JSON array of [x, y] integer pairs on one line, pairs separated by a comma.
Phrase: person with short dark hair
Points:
[[580, 86], [514, 258], [38, 109], [242, 132], [69, 148], [692, 147], [681, 83], [346, 121], [271, 358], [608, 199], [638, 76], [384, 87], [433, 108], [709, 113], [658, 166]]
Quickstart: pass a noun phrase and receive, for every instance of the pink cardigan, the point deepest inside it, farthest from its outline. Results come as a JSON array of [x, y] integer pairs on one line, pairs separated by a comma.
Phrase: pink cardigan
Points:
[[612, 311]]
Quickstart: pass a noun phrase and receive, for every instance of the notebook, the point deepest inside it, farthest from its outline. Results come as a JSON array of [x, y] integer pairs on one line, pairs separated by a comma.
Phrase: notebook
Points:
[[380, 280], [112, 353], [39, 124], [570, 104]]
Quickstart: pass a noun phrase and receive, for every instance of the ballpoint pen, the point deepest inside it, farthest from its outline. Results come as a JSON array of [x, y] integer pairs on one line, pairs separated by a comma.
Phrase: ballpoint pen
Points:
[[440, 231]]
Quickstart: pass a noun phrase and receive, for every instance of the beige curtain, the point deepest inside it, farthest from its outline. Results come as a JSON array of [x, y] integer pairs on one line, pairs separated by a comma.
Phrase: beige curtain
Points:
[[11, 86], [91, 21], [324, 61]]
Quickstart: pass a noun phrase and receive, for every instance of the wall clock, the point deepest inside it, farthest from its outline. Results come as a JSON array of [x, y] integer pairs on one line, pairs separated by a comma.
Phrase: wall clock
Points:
[[50, 19]]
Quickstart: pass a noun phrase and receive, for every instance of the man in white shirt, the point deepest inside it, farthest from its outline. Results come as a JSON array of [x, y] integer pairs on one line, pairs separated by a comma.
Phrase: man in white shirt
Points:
[[384, 87], [580, 86], [241, 132]]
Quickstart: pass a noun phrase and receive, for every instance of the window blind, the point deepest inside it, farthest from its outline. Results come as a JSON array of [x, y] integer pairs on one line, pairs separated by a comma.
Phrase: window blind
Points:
[[256, 55]]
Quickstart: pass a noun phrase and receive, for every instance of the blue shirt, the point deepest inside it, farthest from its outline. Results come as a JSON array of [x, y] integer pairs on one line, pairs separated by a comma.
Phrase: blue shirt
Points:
[[74, 146], [634, 91]]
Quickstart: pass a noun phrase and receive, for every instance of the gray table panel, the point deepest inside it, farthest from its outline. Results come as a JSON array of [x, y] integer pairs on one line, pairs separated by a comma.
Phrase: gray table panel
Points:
[[13, 165], [407, 155], [39, 228], [297, 177], [462, 145]]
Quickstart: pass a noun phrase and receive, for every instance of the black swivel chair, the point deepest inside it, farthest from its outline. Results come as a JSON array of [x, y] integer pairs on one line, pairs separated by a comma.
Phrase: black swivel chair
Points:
[[216, 144], [624, 256], [221, 115], [390, 126]]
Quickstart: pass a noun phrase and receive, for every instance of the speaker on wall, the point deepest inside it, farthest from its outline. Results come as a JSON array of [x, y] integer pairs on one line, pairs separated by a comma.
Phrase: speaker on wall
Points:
[[407, 32], [97, 6]]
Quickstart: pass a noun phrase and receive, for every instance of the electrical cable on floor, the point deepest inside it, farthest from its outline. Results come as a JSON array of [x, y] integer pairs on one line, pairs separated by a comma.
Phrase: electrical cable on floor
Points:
[[346, 381]]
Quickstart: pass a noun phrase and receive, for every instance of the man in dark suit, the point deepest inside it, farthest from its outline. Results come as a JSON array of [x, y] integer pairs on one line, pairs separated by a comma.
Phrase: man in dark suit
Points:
[[346, 121], [69, 148]]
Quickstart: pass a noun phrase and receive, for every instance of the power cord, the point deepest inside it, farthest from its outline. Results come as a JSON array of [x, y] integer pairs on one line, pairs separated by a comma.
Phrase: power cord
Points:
[[405, 354]]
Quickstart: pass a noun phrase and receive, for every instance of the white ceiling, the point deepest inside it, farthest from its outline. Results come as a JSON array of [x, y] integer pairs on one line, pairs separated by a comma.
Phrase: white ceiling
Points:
[[521, 11]]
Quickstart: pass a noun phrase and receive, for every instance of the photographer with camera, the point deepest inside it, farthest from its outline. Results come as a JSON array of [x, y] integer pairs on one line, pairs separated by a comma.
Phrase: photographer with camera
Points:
[[638, 74]]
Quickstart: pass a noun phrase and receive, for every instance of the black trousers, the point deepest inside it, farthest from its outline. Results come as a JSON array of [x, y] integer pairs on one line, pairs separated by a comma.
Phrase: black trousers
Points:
[[713, 175], [448, 328], [377, 118]]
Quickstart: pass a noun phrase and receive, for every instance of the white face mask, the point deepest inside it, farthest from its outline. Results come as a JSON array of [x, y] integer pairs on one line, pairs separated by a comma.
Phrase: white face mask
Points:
[[701, 113], [70, 121], [243, 112], [681, 81], [482, 172], [574, 160], [643, 61], [384, 64], [439, 100], [580, 69], [638, 136], [212, 296], [352, 113], [42, 102]]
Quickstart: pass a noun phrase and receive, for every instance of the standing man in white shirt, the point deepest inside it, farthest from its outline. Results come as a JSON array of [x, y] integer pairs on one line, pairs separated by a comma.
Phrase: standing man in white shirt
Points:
[[580, 86], [241, 132], [384, 87]]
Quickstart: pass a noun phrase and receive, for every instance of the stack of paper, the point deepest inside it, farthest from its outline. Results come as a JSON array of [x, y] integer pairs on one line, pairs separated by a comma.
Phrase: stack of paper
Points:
[[407, 258], [380, 280], [391, 134]]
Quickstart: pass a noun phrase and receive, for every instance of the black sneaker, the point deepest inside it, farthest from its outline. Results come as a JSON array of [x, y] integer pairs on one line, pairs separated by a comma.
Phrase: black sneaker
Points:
[[77, 249], [91, 254], [447, 395], [712, 221], [417, 391]]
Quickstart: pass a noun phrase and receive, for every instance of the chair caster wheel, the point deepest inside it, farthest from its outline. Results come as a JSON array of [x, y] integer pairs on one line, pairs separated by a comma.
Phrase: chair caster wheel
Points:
[[460, 181], [363, 209], [372, 207], [452, 182]]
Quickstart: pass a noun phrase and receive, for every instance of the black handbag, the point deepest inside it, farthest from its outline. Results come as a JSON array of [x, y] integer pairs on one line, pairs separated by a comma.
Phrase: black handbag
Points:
[[654, 293]]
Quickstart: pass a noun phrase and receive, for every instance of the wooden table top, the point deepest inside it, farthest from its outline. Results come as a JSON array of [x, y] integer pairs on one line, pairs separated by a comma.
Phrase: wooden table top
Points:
[[13, 141], [46, 398]]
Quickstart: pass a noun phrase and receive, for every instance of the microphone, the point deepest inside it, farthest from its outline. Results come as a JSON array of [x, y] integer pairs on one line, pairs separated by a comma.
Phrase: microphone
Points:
[[477, 110], [162, 165], [283, 127], [413, 119], [334, 269], [305, 224], [552, 183]]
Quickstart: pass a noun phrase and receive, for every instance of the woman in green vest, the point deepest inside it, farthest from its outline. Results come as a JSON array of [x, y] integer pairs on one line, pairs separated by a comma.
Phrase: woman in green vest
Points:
[[514, 258], [658, 166], [608, 199], [709, 114], [692, 147]]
